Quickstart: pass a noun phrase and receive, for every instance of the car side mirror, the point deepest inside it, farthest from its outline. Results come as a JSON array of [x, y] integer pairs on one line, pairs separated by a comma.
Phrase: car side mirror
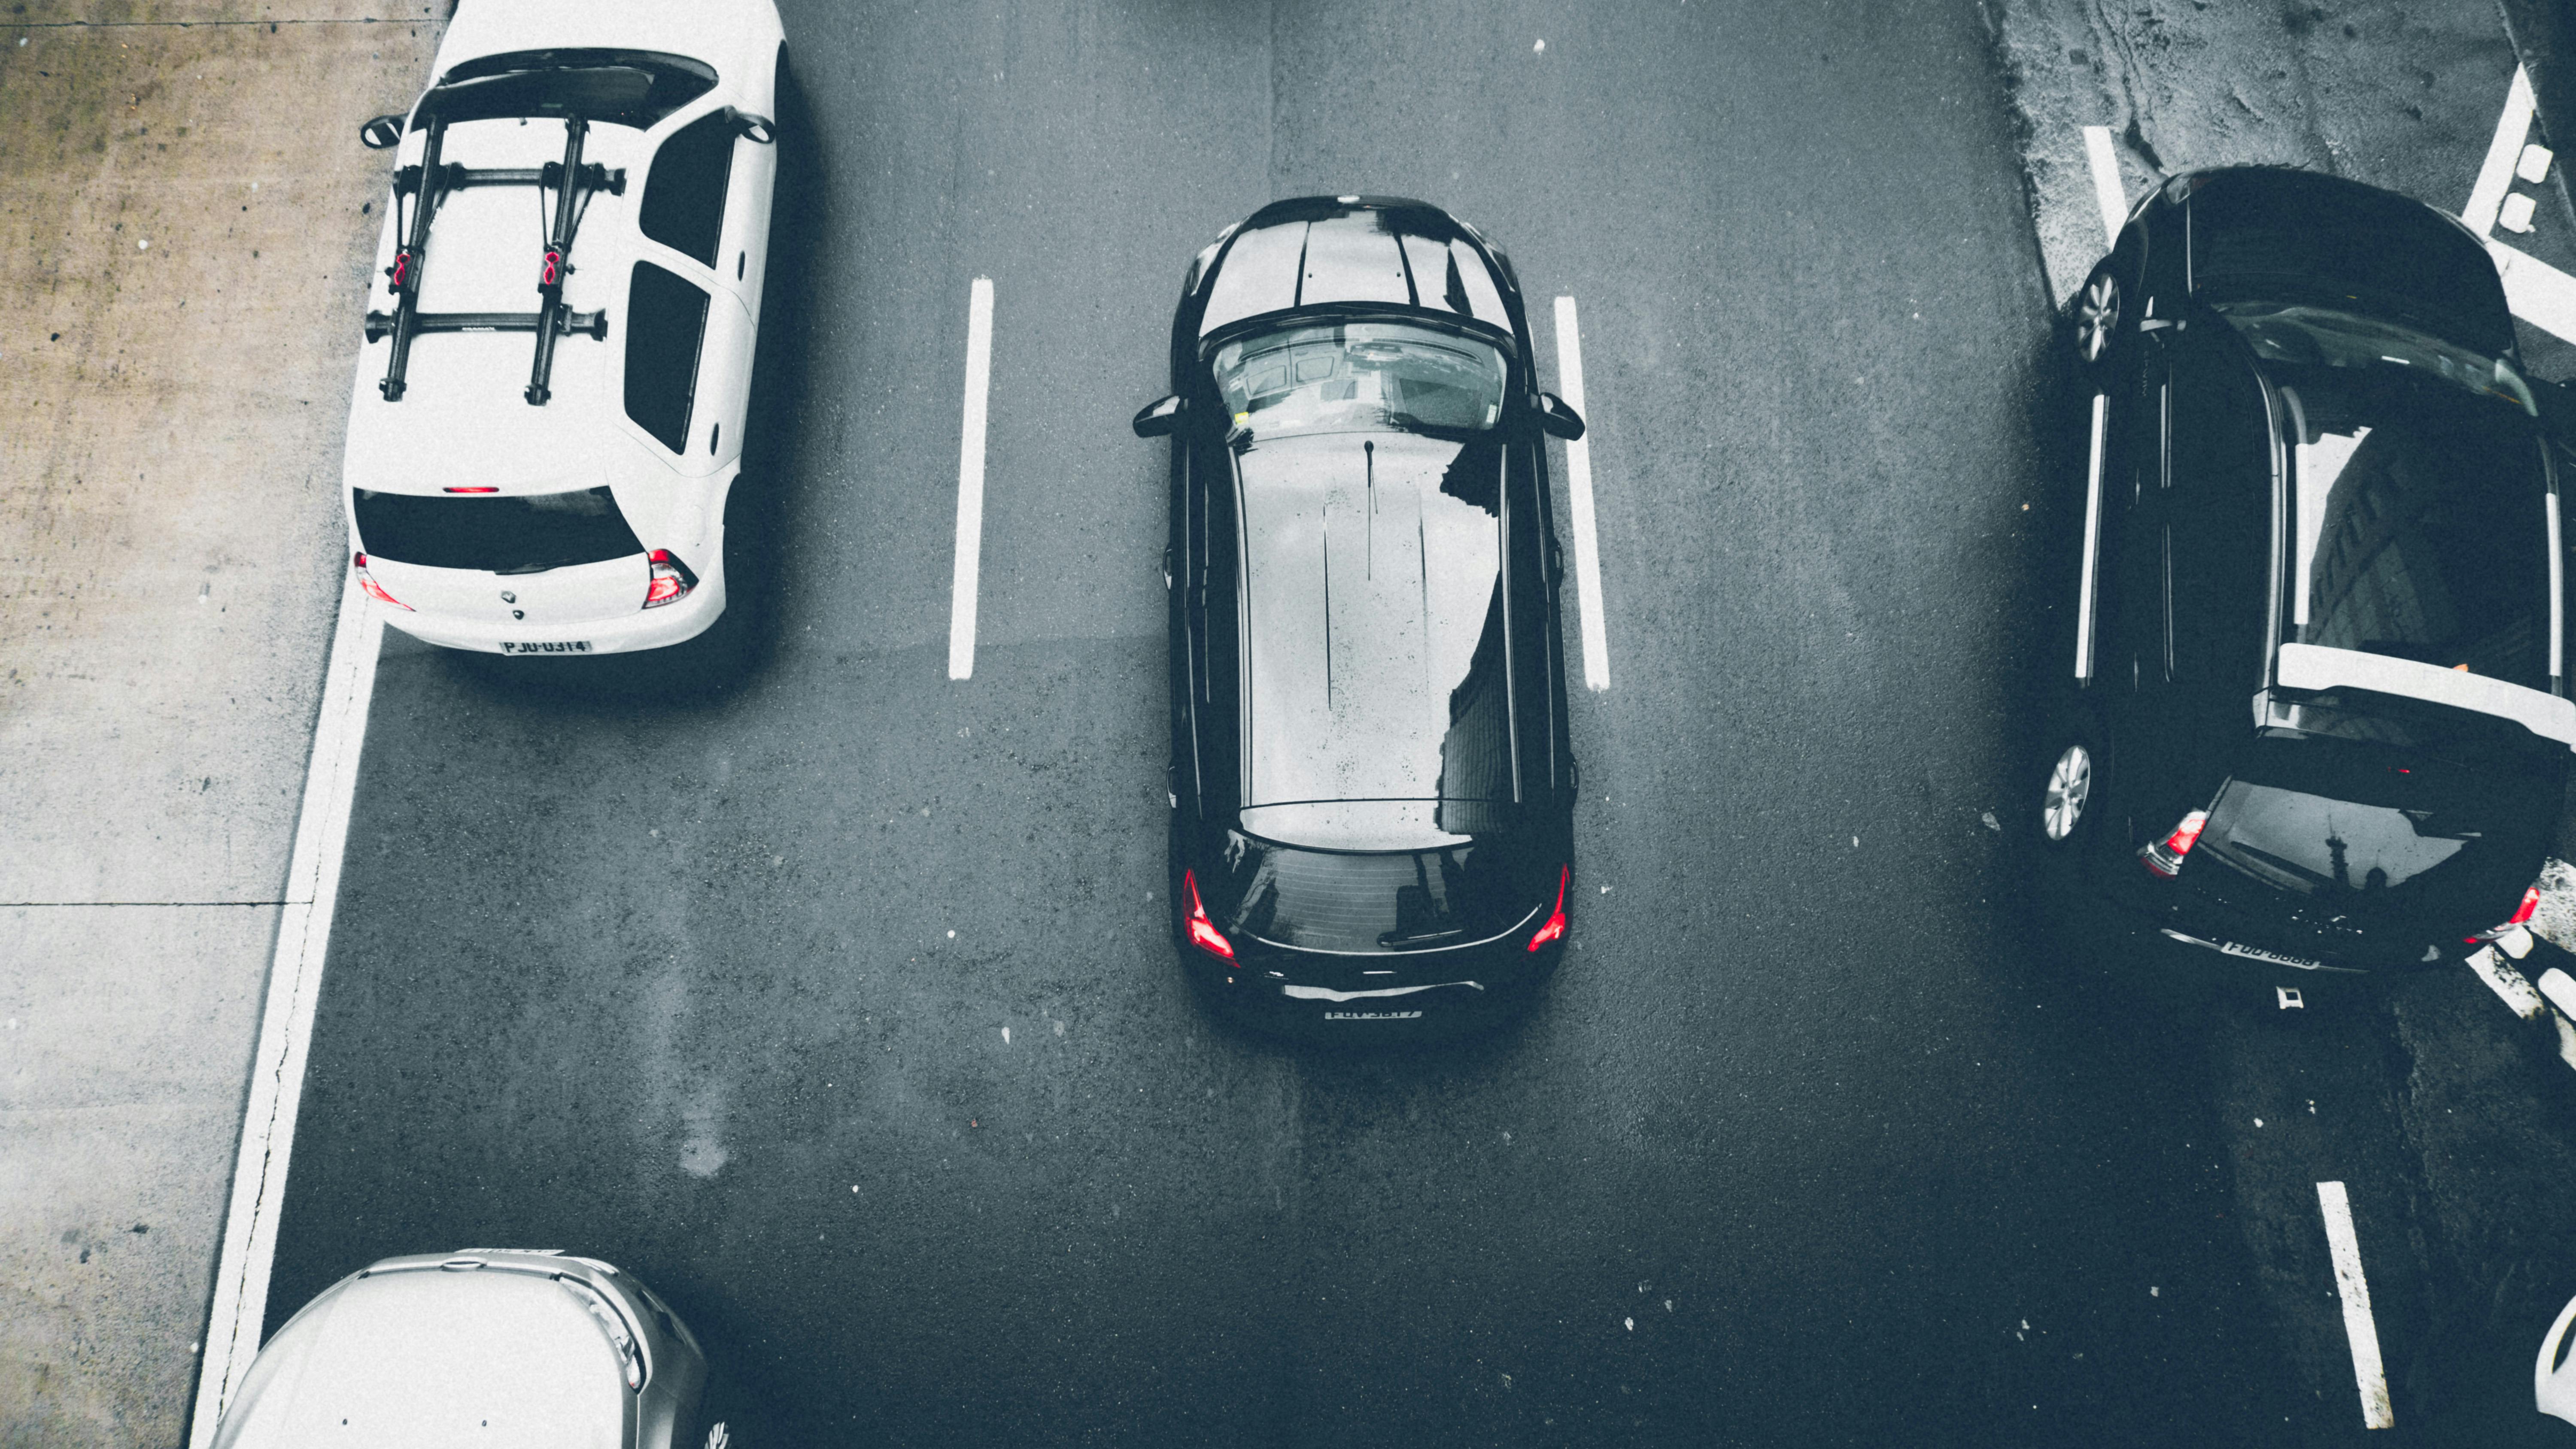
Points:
[[381, 133], [1159, 419], [759, 130], [1558, 420]]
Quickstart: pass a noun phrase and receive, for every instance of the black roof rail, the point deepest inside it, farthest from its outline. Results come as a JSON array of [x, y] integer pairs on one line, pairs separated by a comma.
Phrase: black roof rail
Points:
[[428, 184], [576, 324]]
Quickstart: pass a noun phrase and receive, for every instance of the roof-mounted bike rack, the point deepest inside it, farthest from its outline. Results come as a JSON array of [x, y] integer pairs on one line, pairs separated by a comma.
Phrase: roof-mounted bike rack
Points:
[[567, 324], [428, 184]]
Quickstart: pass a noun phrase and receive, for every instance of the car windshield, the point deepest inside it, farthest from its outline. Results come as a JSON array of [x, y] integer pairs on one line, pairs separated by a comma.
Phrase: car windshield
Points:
[[2420, 525], [626, 88], [1359, 376]]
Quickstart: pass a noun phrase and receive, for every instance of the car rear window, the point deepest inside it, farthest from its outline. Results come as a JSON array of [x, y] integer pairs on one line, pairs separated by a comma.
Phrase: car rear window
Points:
[[1415, 900], [522, 534]]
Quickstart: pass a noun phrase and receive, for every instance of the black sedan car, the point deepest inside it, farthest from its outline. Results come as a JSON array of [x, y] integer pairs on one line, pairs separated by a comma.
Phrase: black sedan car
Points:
[[1371, 783], [2313, 712]]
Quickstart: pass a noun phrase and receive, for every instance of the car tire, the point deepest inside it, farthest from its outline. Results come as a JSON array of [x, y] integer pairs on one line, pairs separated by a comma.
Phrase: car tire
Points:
[[2095, 313], [2058, 805]]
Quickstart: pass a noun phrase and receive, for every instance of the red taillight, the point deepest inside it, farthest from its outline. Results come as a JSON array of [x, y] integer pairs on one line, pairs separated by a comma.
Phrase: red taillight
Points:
[[671, 579], [472, 490], [376, 591], [2530, 905], [1203, 932], [2165, 856], [1554, 930], [2522, 915]]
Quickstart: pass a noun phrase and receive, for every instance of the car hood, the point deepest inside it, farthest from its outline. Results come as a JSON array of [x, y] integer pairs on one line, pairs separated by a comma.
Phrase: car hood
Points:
[[2287, 234], [1405, 256], [732, 35], [431, 1359]]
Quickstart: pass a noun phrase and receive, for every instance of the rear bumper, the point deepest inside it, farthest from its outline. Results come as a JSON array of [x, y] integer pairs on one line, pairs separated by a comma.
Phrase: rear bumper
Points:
[[1286, 993], [2194, 921], [623, 634]]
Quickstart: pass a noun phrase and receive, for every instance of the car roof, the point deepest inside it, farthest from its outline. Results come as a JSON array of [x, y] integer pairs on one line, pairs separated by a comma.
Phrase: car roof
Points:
[[1386, 252], [463, 413], [1374, 669], [425, 1359]]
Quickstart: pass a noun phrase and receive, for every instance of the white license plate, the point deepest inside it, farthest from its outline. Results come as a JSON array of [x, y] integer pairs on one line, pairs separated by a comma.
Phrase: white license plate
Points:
[[1372, 1016], [2252, 953], [565, 646]]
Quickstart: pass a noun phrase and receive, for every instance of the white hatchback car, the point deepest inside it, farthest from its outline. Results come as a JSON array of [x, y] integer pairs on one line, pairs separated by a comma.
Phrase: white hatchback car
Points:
[[499, 1348], [549, 409]]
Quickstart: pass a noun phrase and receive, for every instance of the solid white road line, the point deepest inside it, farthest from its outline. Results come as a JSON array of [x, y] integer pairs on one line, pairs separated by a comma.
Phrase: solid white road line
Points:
[[970, 482], [286, 1023], [2376, 1412], [2539, 293], [2107, 191], [1578, 489], [2495, 175], [2092, 541]]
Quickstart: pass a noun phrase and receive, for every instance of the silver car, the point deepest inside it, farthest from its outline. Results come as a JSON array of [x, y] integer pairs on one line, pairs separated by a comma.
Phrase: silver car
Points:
[[500, 1348]]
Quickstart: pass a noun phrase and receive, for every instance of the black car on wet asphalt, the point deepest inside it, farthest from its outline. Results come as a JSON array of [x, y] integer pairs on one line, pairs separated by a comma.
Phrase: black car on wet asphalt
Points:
[[2313, 711], [1372, 787]]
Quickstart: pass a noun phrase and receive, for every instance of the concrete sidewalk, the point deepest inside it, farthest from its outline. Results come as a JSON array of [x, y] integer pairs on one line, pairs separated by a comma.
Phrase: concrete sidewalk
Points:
[[186, 226]]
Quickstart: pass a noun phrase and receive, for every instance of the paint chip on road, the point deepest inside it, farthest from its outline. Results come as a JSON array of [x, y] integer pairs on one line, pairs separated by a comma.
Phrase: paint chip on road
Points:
[[2508, 984]]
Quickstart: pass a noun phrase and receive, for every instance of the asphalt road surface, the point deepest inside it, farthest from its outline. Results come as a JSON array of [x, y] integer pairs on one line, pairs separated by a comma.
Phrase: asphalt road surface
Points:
[[841, 1008]]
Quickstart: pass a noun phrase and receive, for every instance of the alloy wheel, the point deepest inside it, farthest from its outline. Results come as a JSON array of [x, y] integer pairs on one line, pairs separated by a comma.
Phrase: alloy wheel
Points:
[[2095, 315], [2070, 786]]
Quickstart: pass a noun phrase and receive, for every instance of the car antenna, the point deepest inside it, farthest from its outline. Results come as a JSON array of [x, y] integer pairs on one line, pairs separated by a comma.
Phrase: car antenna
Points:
[[1368, 450], [429, 183]]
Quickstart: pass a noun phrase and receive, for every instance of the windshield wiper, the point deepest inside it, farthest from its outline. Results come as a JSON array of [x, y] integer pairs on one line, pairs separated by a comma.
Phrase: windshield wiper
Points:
[[1446, 432]]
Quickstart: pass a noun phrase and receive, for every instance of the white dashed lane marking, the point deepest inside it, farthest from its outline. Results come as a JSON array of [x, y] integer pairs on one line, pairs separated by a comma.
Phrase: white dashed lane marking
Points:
[[1578, 489], [2354, 1290], [968, 572], [286, 1023], [2107, 191]]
